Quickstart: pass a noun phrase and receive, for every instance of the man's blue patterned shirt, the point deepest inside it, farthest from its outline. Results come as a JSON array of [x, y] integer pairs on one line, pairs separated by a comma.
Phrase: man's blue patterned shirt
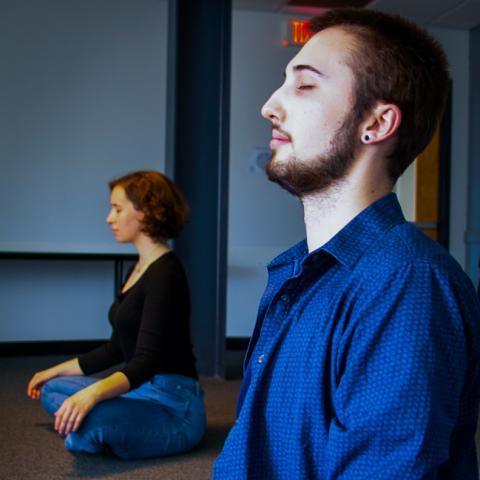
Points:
[[364, 362]]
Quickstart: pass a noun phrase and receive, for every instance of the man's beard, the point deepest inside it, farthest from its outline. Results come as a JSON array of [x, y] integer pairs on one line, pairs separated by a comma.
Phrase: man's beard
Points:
[[303, 177]]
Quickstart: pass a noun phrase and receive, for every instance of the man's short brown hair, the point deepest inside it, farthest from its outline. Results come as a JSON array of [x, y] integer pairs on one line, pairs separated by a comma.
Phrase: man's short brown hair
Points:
[[395, 61]]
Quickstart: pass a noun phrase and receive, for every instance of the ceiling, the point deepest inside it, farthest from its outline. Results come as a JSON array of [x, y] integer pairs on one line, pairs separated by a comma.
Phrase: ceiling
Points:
[[458, 14]]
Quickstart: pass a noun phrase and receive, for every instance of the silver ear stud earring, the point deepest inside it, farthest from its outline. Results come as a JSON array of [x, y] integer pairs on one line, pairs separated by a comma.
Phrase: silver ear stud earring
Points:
[[366, 137]]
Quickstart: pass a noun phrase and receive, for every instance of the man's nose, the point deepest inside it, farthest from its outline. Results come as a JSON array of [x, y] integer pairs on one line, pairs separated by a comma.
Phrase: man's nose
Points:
[[272, 110]]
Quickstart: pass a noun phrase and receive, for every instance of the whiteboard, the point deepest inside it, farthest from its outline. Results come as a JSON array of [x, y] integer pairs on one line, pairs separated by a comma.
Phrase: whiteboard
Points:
[[83, 100]]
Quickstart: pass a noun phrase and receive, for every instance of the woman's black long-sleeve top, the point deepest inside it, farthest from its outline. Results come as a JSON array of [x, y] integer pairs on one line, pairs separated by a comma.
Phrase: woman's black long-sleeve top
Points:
[[151, 330]]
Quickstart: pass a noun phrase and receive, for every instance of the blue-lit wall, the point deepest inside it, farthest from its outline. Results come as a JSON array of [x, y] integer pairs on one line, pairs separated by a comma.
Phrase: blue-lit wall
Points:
[[473, 232], [83, 95], [57, 300]]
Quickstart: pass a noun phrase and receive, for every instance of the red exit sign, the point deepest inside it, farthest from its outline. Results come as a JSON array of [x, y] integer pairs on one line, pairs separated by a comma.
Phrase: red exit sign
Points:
[[299, 33]]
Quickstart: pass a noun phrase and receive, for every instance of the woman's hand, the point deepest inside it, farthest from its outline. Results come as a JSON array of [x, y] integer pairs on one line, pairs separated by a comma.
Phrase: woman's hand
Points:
[[70, 367], [73, 411], [35, 385]]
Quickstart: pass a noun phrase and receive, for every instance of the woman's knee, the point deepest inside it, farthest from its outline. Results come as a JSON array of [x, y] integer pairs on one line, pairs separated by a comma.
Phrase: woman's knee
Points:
[[49, 399], [67, 385], [55, 391], [49, 386]]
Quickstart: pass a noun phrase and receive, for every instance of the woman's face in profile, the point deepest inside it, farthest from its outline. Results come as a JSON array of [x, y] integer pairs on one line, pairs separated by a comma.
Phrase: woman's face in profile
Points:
[[125, 220]]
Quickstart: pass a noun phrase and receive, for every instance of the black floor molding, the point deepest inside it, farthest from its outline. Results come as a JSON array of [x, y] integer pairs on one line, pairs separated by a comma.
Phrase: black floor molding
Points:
[[60, 347], [237, 343], [234, 355]]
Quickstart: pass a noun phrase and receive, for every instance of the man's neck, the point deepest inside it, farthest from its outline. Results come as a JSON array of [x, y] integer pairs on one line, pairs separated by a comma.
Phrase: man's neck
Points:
[[327, 212]]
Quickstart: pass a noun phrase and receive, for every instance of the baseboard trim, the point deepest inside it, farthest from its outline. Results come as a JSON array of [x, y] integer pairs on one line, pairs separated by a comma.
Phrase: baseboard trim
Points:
[[71, 347], [58, 347], [237, 343]]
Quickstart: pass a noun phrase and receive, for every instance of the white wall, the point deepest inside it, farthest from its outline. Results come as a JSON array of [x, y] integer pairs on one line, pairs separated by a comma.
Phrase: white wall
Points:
[[37, 297], [263, 218], [83, 95], [43, 300]]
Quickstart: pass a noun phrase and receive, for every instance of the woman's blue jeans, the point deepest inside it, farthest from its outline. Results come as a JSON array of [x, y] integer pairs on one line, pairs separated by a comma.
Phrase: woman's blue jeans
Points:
[[161, 417]]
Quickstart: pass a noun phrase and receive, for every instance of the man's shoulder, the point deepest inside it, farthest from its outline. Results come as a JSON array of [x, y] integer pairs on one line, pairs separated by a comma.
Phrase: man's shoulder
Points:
[[405, 246], [406, 269]]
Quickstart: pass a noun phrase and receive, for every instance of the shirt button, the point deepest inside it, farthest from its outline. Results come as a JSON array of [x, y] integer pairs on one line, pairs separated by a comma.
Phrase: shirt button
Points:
[[260, 358]]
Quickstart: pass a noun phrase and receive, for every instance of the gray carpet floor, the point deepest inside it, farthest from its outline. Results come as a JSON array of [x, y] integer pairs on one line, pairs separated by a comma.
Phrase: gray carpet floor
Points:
[[30, 448]]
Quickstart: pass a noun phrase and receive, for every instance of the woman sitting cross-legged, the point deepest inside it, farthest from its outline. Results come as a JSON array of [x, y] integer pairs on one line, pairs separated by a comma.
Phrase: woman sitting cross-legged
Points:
[[153, 405]]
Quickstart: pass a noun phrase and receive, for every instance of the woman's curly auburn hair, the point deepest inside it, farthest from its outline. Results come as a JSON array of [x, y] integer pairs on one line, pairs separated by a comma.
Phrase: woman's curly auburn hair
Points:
[[156, 196]]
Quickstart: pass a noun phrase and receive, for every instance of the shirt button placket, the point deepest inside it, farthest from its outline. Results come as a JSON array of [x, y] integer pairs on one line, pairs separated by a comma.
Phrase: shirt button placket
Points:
[[284, 299]]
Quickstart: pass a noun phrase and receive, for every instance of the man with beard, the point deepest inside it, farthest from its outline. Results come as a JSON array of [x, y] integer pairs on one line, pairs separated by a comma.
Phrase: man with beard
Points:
[[364, 361]]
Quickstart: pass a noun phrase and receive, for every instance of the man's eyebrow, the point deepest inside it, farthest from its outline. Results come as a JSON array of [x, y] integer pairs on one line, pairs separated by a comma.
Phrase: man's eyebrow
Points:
[[301, 68]]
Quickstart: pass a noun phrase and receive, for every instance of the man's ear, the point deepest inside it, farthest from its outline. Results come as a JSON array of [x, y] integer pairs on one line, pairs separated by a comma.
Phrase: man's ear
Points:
[[382, 122]]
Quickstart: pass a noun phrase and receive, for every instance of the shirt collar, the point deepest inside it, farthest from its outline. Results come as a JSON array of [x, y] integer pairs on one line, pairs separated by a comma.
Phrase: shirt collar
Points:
[[295, 253], [349, 244]]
